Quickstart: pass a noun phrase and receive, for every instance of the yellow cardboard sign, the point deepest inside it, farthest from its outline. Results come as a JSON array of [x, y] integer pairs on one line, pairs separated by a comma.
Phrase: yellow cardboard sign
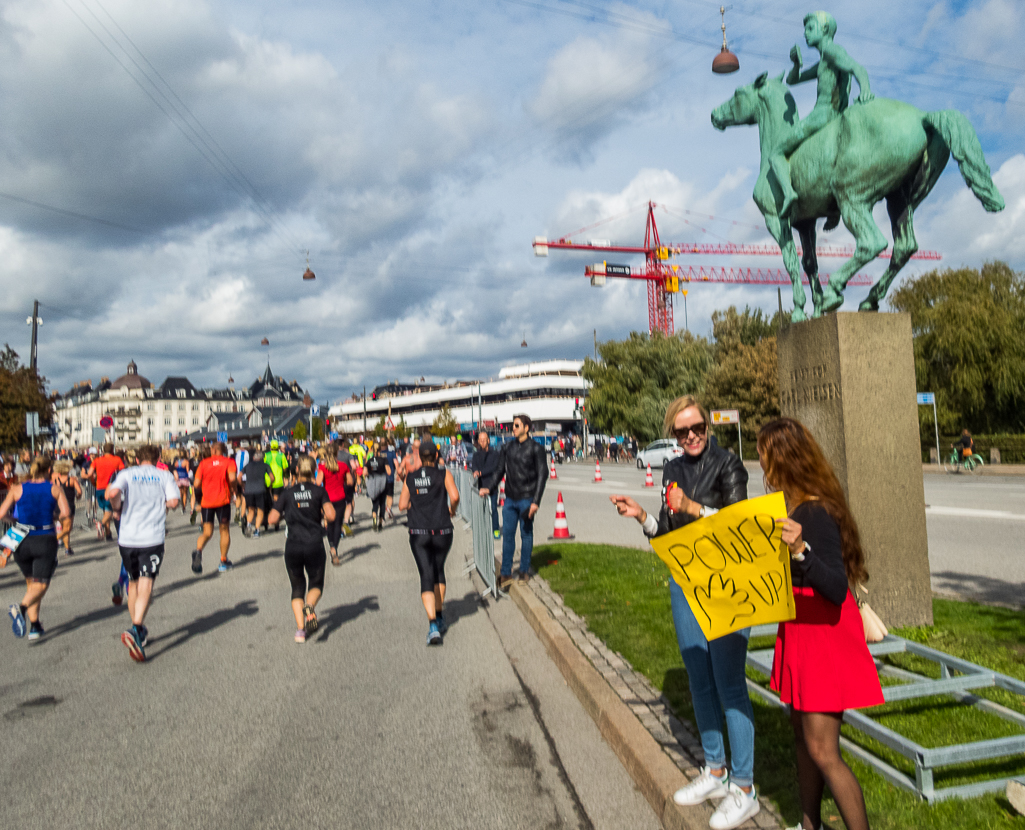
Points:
[[733, 566]]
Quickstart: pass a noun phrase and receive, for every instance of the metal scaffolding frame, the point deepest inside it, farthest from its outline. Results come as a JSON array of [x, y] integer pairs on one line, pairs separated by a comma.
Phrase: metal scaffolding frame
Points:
[[957, 678]]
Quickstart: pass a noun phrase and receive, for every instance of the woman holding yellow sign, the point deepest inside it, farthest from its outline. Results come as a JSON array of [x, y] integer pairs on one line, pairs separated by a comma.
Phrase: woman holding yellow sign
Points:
[[821, 664], [699, 483]]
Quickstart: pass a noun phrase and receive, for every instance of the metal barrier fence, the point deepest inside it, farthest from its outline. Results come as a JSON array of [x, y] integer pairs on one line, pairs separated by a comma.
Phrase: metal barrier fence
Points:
[[476, 512], [957, 678]]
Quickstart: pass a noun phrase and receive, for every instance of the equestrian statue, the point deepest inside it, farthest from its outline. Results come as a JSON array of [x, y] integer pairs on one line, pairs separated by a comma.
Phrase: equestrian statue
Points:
[[842, 159]]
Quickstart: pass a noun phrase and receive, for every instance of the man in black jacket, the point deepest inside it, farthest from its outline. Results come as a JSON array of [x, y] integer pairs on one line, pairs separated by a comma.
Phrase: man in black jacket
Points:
[[522, 462], [483, 465]]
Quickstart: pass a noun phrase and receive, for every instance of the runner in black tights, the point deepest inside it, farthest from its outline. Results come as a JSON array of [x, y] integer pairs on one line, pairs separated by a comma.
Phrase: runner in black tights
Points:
[[302, 505], [429, 518]]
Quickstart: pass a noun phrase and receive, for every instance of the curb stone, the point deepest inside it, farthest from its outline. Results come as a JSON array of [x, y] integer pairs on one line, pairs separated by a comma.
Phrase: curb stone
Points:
[[660, 752]]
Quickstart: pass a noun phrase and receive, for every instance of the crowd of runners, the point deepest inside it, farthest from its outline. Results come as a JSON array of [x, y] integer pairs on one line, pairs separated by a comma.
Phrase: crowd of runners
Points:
[[310, 490]]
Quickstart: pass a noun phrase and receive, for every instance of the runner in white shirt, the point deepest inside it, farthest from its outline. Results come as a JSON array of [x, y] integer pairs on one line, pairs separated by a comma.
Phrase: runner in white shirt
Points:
[[143, 494]]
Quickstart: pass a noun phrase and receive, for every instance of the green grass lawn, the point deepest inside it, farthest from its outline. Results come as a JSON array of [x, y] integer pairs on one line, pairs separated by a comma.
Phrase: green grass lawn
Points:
[[623, 593]]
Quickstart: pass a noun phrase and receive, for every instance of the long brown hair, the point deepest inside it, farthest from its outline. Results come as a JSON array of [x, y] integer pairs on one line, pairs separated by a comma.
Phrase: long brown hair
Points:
[[795, 464]]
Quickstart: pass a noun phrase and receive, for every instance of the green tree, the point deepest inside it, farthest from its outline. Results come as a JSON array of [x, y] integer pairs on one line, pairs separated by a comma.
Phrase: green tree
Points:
[[445, 424], [317, 428], [745, 376], [21, 391], [636, 378], [969, 344], [299, 431], [380, 430], [401, 430]]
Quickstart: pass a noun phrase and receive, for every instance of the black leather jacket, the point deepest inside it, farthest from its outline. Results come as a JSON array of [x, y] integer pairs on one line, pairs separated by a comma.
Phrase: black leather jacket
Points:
[[715, 478], [525, 468]]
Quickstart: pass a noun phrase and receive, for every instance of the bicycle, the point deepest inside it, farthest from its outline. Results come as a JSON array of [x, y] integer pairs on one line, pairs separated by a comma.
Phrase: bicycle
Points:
[[970, 464]]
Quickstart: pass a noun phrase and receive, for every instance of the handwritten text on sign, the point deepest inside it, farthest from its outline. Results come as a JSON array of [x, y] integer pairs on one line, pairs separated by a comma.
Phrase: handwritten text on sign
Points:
[[733, 566]]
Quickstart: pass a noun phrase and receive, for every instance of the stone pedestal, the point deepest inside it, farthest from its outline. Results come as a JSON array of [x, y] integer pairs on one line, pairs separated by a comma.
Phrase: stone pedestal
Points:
[[850, 379]]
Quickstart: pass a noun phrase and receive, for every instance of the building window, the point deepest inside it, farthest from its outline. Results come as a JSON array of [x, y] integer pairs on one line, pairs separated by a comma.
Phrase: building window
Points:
[[149, 406], [167, 406], [167, 422], [195, 406], [195, 421], [180, 393]]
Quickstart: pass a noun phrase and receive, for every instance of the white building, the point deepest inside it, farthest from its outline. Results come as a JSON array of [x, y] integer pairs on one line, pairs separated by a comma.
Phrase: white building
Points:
[[142, 412], [547, 392]]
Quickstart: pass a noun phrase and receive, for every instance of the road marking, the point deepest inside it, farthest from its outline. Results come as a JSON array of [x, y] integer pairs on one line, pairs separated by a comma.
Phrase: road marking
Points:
[[975, 513]]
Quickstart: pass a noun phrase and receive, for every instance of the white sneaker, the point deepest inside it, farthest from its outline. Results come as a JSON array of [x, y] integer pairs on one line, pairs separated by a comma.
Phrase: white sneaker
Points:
[[702, 788], [735, 809]]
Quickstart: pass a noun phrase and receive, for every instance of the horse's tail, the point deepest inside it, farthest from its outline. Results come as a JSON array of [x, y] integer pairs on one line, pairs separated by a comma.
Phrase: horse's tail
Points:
[[960, 137]]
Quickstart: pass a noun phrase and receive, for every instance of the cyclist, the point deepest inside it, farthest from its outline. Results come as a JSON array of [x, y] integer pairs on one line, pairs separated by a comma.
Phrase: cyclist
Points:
[[966, 444]]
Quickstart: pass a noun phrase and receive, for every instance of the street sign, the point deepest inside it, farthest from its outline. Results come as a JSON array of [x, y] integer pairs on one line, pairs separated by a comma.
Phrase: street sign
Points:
[[926, 398], [106, 422], [315, 410], [389, 423], [99, 435], [929, 399], [332, 436], [725, 416], [222, 437], [32, 423]]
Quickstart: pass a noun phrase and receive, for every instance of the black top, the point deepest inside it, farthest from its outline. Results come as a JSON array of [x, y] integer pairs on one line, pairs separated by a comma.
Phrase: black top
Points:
[[301, 507], [254, 473], [525, 467], [484, 461], [715, 478], [376, 464], [822, 568], [428, 500]]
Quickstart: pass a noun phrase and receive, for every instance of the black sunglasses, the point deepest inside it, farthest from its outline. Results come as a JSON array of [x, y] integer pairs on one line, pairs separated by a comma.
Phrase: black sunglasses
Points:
[[698, 430]]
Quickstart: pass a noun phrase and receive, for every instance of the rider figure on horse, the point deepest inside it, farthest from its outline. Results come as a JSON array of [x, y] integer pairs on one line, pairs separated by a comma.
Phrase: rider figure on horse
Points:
[[833, 73]]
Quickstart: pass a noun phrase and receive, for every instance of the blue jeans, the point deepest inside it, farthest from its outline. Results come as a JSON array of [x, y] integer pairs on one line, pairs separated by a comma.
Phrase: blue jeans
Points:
[[494, 510], [715, 671], [516, 511]]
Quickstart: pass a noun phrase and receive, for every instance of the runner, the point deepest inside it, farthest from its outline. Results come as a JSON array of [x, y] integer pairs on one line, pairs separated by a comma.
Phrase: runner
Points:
[[336, 478], [275, 459], [72, 491], [143, 495], [182, 473], [378, 474], [241, 459], [215, 481], [346, 458], [103, 469], [257, 476], [198, 458], [389, 487], [303, 505], [37, 500], [430, 532]]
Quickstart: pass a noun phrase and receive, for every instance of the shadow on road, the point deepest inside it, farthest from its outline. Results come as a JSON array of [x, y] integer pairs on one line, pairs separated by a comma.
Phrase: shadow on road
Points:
[[352, 553], [985, 589], [334, 618], [455, 609], [202, 625]]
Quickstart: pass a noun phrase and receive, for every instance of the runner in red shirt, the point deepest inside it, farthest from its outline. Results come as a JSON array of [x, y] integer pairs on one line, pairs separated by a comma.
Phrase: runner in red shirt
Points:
[[102, 472], [215, 482]]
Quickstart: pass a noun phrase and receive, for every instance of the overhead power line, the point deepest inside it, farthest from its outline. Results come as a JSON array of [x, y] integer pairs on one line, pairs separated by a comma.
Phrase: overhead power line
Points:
[[185, 121]]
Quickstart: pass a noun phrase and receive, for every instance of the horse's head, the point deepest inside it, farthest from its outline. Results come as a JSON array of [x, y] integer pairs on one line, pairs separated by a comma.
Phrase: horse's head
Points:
[[746, 105]]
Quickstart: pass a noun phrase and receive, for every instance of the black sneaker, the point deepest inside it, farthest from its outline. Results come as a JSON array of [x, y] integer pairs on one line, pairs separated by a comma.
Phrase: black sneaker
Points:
[[117, 593], [35, 631], [197, 561], [143, 635]]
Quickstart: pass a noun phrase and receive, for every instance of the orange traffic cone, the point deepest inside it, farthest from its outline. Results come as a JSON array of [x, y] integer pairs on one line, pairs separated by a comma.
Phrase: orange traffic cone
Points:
[[561, 525], [501, 493], [648, 480], [597, 471], [551, 474]]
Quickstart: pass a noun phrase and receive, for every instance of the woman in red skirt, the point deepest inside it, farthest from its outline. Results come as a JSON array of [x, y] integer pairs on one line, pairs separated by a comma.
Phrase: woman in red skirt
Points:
[[821, 664]]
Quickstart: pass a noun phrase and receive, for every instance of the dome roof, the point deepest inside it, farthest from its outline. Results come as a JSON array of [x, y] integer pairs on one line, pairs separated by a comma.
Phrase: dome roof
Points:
[[131, 380]]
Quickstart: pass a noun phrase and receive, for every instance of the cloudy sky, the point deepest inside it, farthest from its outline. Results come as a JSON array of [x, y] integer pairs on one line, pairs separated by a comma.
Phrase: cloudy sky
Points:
[[165, 165]]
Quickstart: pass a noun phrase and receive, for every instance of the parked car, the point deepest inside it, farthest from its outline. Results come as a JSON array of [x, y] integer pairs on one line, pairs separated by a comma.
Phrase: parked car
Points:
[[657, 453]]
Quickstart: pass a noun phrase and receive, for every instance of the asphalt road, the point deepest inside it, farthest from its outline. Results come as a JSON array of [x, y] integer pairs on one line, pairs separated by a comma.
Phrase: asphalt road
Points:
[[230, 724], [976, 526]]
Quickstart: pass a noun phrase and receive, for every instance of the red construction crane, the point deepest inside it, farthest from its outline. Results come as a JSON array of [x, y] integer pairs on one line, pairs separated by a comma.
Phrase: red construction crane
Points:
[[663, 279]]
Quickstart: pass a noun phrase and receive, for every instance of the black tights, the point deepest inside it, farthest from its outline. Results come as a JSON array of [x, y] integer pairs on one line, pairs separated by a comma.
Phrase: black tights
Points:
[[817, 735], [334, 529], [377, 509]]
